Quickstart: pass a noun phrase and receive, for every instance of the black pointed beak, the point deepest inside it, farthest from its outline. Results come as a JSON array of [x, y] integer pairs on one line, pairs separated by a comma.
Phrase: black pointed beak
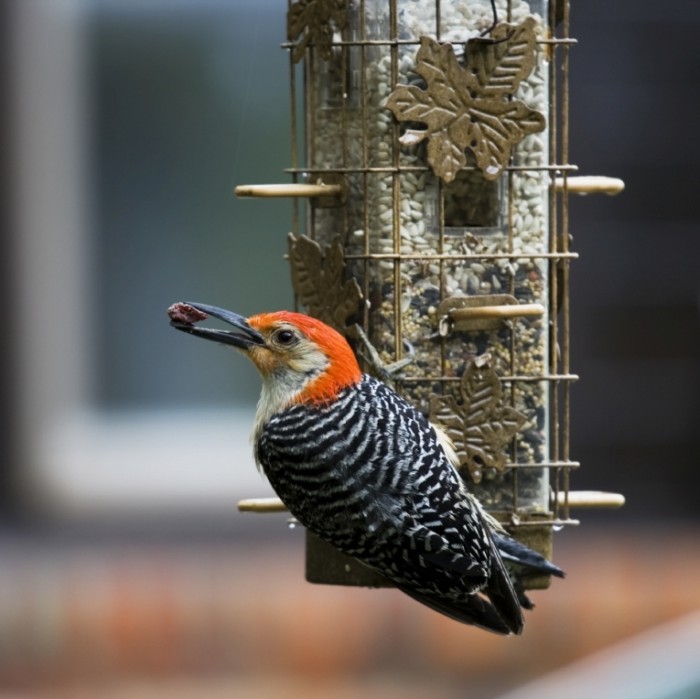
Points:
[[183, 316]]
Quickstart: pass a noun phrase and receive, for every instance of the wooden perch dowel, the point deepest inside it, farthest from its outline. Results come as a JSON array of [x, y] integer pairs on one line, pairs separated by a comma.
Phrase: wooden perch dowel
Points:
[[265, 505], [288, 190], [591, 499], [515, 310], [591, 184]]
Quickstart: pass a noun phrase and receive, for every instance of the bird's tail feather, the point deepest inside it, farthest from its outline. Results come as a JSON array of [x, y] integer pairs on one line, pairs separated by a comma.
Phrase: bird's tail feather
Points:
[[515, 553], [473, 609]]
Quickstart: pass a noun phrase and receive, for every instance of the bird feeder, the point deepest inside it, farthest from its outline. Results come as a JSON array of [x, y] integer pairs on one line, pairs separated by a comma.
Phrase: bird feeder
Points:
[[430, 177]]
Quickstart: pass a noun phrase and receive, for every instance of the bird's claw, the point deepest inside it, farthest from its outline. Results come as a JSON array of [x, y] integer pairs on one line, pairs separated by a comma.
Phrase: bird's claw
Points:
[[386, 372]]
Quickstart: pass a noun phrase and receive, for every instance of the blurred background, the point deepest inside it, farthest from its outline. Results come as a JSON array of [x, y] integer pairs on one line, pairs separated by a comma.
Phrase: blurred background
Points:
[[125, 568]]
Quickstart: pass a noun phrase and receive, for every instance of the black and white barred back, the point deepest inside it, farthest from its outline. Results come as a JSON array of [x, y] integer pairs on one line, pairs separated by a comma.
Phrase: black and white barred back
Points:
[[367, 474]]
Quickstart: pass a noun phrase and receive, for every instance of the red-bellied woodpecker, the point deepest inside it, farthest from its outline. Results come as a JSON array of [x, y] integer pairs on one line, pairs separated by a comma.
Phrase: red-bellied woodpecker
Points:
[[365, 471]]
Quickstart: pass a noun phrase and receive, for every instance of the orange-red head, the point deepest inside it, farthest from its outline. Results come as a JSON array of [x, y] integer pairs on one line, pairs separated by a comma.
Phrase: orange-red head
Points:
[[301, 359]]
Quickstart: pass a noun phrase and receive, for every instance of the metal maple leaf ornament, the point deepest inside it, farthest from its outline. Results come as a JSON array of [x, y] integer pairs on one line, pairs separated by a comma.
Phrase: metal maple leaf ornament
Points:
[[312, 22], [471, 107], [480, 424], [321, 283]]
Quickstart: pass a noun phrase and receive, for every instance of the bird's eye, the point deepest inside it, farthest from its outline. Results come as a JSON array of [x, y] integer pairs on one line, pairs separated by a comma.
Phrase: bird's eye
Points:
[[285, 337]]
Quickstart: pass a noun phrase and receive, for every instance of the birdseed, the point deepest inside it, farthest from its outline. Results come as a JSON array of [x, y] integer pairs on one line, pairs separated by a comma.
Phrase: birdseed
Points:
[[490, 239]]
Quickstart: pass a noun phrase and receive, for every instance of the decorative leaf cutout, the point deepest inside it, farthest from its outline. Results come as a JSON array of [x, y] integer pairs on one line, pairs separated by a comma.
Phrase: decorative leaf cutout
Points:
[[318, 281], [314, 22], [481, 425], [471, 108]]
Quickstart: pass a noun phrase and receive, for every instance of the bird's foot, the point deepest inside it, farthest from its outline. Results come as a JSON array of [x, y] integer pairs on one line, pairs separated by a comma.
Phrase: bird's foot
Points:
[[383, 371]]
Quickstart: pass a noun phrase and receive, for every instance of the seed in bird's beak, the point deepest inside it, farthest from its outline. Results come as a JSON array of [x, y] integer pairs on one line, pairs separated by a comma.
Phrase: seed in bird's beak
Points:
[[184, 314]]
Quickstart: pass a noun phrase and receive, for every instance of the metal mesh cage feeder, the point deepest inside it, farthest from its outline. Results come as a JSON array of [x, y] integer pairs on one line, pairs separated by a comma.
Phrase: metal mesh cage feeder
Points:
[[430, 225]]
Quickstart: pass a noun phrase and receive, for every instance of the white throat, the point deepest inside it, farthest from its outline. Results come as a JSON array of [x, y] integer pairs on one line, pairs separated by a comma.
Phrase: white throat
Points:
[[283, 386]]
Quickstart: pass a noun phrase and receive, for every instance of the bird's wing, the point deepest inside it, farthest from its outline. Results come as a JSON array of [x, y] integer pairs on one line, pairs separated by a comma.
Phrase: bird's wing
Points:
[[443, 550], [502, 594], [443, 562], [498, 588]]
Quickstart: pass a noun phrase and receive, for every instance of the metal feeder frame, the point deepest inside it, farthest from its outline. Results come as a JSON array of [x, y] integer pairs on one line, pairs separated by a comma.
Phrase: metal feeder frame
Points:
[[330, 64]]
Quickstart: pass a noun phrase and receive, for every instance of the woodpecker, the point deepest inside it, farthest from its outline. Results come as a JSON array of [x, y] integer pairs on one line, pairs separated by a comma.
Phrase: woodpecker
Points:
[[364, 470]]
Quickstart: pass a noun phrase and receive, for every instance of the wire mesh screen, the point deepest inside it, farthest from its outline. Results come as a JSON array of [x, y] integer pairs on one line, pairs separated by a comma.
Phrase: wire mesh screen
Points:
[[443, 127]]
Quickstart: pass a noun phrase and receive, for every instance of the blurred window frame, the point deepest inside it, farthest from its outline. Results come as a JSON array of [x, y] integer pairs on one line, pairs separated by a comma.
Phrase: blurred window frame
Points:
[[76, 457]]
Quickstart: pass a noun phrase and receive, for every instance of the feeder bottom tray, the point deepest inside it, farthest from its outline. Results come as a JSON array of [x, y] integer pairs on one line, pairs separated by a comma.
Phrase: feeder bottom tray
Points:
[[326, 565]]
